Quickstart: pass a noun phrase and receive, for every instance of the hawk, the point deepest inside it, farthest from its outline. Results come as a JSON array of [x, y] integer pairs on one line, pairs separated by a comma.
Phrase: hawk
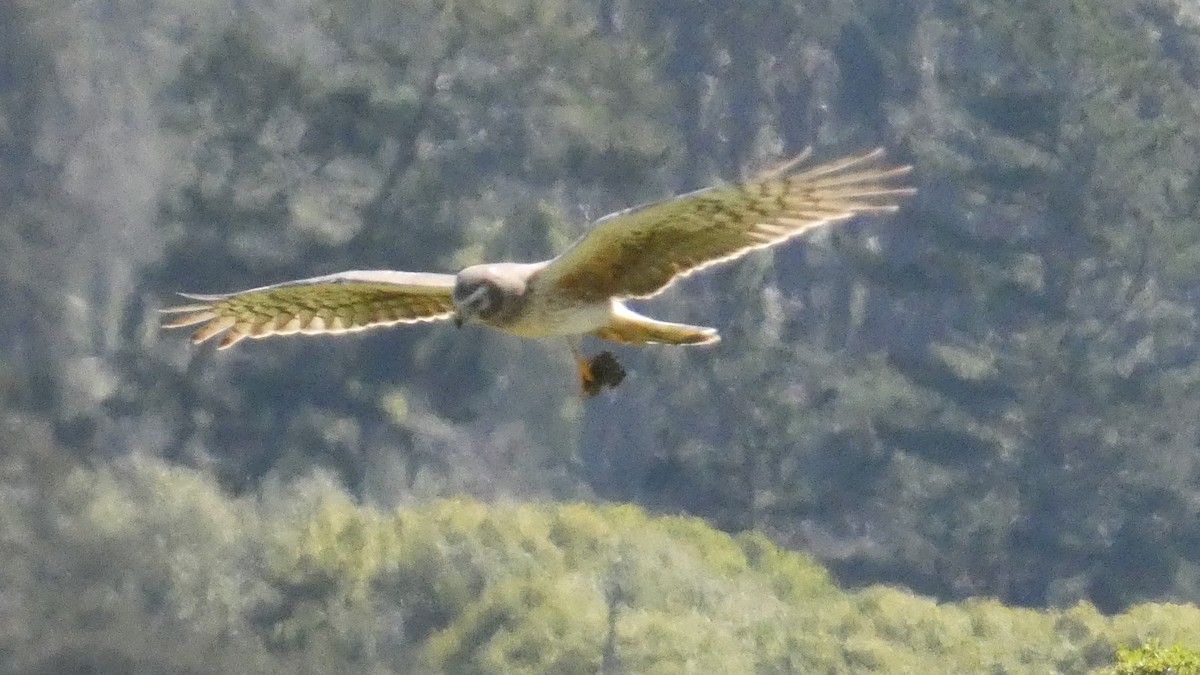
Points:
[[635, 253]]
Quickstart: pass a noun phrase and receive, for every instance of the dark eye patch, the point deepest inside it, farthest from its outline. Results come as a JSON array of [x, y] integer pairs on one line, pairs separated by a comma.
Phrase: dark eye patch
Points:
[[495, 297]]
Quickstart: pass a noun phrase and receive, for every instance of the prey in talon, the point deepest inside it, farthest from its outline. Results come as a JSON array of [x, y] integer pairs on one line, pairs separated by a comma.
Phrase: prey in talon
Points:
[[602, 370]]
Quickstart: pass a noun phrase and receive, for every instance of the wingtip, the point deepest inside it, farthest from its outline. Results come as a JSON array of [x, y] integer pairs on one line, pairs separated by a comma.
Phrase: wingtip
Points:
[[202, 303], [786, 166], [230, 339], [180, 309], [218, 325], [202, 297], [201, 315]]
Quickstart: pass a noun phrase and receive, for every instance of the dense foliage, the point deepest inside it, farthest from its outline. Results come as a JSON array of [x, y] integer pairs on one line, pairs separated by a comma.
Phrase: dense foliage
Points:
[[993, 394], [158, 570]]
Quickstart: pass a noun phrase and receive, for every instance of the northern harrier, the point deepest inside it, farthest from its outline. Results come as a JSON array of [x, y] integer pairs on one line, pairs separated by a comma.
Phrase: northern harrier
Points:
[[634, 253]]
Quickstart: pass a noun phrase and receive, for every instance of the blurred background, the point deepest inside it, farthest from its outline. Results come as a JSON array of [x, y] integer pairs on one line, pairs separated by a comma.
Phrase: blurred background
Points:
[[995, 392]]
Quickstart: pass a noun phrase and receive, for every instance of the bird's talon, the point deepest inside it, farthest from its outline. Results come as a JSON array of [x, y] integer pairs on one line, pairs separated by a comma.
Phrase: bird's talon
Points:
[[588, 384]]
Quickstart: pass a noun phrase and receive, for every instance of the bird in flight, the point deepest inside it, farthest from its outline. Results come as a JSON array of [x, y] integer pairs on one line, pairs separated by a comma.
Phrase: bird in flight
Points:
[[635, 253]]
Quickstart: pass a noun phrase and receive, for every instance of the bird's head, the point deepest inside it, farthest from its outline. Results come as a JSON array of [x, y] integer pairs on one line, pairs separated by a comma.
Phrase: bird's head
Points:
[[486, 293]]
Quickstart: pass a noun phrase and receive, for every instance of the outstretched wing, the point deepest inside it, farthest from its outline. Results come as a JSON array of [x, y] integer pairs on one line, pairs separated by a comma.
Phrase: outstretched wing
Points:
[[641, 251], [337, 303]]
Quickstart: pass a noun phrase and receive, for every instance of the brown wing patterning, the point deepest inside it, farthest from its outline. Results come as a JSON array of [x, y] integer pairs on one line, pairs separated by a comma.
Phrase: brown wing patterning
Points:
[[639, 252], [338, 303]]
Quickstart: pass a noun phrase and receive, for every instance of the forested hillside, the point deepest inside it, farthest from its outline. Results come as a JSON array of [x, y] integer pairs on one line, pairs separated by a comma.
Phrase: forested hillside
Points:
[[158, 570], [990, 398]]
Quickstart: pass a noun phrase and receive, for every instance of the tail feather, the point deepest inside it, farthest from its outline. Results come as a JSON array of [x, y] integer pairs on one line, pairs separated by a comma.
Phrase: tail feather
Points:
[[629, 327]]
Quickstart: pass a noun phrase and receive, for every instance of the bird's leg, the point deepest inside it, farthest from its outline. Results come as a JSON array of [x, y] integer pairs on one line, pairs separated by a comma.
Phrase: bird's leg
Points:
[[588, 383]]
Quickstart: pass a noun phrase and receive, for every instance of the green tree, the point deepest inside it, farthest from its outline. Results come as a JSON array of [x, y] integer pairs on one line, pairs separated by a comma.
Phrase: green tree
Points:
[[1154, 659]]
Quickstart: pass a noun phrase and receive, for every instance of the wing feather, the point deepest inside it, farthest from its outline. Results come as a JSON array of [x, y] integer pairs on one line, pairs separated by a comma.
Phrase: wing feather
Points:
[[641, 251], [336, 303]]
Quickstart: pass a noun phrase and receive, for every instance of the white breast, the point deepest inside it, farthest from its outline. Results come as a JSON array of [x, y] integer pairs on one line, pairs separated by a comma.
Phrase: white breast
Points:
[[542, 318]]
